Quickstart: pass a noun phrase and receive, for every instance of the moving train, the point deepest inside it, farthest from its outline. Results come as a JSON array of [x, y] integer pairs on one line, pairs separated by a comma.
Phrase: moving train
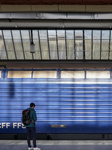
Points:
[[67, 101]]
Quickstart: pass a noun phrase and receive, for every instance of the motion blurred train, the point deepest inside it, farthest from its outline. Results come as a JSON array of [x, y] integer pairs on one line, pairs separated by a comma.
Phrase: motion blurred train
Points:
[[67, 101]]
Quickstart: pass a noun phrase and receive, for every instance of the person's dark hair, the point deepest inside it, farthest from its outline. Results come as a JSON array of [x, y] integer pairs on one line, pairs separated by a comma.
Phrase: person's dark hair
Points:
[[32, 104]]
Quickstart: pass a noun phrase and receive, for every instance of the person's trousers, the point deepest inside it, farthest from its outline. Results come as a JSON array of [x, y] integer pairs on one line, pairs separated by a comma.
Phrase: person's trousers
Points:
[[31, 131]]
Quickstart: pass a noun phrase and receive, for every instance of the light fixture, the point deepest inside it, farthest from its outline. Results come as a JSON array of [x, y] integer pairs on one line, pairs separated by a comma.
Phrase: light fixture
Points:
[[32, 44]]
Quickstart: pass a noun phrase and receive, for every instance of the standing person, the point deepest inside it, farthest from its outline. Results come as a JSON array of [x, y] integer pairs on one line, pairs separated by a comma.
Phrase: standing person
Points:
[[31, 128]]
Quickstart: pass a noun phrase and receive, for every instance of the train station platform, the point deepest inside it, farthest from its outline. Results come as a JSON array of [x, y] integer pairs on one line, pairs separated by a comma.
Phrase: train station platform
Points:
[[58, 144]]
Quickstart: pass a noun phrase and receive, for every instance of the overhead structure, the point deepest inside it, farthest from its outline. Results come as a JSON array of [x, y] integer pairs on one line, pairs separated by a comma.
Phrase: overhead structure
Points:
[[55, 37], [52, 2], [77, 44]]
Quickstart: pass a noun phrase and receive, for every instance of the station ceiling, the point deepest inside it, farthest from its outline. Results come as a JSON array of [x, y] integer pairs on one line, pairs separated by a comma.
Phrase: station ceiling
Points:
[[53, 2], [56, 44]]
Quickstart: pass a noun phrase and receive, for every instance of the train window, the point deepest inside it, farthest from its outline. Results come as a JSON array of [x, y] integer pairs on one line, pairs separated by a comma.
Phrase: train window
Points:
[[97, 74], [44, 74], [19, 74], [72, 74]]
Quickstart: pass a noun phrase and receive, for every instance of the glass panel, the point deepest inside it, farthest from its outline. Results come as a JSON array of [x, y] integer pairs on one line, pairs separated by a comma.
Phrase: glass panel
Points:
[[105, 34], [7, 34], [2, 45], [79, 49], [97, 74], [19, 55], [9, 45], [17, 42], [36, 41], [104, 55], [78, 34], [45, 55], [25, 34], [88, 55], [44, 74], [79, 55], [44, 44], [43, 39], [87, 49], [70, 44], [105, 45], [1, 37], [72, 74], [96, 49], [61, 44], [36, 55], [70, 54], [53, 55], [96, 34], [37, 48], [96, 55], [52, 44], [16, 34], [61, 40], [28, 55], [52, 34], [2, 48], [79, 45], [96, 44], [111, 45], [18, 46], [35, 34], [3, 54], [87, 34], [62, 55], [11, 55], [26, 44], [19, 74], [111, 34], [110, 57]]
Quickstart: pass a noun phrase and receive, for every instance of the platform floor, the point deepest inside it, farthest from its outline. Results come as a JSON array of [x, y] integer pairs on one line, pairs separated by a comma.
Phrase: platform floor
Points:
[[58, 144]]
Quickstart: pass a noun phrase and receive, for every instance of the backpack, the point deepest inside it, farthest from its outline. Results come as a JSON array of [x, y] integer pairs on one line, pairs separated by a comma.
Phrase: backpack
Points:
[[26, 117]]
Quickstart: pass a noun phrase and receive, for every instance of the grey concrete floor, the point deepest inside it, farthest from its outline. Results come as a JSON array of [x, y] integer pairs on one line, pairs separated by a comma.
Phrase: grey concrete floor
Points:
[[58, 144]]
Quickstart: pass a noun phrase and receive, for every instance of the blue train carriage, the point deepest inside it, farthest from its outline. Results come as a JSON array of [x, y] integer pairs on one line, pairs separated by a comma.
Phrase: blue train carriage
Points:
[[67, 101]]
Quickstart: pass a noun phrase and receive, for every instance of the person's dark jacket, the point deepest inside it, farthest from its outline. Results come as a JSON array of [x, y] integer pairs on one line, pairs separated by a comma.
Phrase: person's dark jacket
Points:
[[32, 116]]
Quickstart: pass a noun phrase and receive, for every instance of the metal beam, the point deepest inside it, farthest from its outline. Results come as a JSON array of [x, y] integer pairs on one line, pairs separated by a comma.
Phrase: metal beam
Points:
[[5, 44], [39, 44], [55, 16], [109, 44], [100, 43], [58, 64], [83, 46], [74, 47], [66, 45], [55, 24], [57, 45], [48, 45], [55, 20], [13, 44], [31, 40], [22, 44], [92, 44]]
